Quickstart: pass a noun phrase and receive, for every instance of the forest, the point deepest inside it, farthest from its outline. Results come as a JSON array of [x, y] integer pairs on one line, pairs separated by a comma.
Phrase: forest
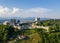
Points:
[[8, 34]]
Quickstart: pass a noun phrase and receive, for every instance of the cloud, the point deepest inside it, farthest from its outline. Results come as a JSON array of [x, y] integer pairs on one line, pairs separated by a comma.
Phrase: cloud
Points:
[[3, 10], [18, 12], [7, 12], [38, 10], [15, 10], [35, 12]]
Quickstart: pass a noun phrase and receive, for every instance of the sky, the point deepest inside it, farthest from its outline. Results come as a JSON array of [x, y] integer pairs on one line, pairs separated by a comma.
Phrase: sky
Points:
[[30, 8]]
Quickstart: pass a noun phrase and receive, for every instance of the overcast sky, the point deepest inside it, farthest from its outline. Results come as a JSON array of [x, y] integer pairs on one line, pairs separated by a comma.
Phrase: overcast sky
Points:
[[30, 8]]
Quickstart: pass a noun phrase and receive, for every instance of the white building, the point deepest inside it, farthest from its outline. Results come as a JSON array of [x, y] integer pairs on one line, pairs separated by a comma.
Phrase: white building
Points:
[[5, 22], [37, 20], [18, 27], [27, 25]]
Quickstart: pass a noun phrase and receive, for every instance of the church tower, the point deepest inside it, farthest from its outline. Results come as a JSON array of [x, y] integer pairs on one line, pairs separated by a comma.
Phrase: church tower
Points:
[[37, 20]]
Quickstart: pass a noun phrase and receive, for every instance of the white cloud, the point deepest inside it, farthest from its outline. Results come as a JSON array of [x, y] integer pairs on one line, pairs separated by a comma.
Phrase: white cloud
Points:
[[3, 10], [7, 12], [38, 10], [35, 12], [14, 12]]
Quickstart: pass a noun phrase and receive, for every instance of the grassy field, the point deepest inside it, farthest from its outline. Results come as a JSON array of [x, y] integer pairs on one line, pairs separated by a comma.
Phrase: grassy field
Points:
[[33, 38]]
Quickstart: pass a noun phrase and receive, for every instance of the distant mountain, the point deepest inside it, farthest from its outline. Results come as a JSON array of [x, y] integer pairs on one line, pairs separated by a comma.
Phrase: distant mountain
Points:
[[44, 18], [28, 19]]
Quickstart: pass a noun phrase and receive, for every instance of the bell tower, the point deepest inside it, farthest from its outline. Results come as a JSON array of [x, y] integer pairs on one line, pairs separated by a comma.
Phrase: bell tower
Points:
[[37, 20]]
